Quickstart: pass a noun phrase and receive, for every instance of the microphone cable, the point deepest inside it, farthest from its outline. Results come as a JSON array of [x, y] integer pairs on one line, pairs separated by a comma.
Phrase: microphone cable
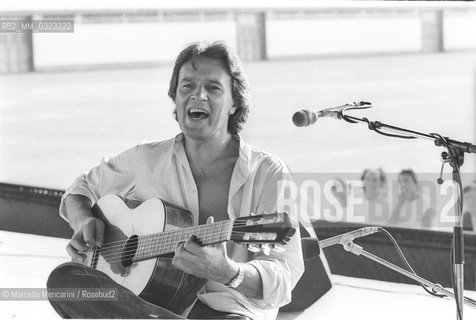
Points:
[[426, 288], [407, 264]]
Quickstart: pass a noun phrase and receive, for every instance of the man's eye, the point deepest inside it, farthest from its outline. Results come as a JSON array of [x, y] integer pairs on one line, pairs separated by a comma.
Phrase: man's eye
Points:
[[213, 88], [186, 86]]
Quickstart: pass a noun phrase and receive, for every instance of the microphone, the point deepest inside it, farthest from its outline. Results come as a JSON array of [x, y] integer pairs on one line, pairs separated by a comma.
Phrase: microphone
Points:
[[307, 117], [349, 236]]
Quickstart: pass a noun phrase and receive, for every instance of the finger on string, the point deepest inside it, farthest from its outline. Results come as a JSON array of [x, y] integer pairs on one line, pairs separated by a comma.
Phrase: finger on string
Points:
[[210, 220], [73, 253], [178, 247], [88, 235], [192, 244], [99, 234], [77, 243], [181, 257]]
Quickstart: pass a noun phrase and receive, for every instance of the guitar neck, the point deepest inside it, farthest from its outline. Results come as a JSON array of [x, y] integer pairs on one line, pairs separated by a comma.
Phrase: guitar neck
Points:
[[154, 245]]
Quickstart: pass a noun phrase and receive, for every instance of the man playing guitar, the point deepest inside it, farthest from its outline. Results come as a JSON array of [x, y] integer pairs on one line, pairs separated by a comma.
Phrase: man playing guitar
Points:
[[209, 170]]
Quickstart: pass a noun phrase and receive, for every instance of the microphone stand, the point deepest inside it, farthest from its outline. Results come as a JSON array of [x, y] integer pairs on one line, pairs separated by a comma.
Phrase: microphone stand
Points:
[[350, 246], [455, 157]]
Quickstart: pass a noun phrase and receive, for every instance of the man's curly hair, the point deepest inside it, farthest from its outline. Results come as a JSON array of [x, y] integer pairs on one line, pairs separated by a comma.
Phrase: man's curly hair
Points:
[[240, 92]]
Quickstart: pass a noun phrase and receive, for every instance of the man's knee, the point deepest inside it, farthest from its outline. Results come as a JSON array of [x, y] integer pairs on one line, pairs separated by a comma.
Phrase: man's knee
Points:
[[62, 276]]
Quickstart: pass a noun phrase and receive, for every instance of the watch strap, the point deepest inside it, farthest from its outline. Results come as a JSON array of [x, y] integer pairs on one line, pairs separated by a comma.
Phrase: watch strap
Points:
[[236, 281]]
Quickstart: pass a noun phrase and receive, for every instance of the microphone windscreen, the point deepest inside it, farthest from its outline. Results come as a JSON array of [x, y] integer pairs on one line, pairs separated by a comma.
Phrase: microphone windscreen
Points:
[[301, 119]]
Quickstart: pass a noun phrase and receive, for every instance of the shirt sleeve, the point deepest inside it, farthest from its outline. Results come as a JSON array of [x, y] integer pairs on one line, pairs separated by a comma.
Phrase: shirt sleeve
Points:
[[279, 271], [114, 175]]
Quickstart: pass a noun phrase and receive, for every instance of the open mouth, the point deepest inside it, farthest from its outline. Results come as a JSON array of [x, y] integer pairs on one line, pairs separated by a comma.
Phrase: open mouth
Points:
[[197, 114]]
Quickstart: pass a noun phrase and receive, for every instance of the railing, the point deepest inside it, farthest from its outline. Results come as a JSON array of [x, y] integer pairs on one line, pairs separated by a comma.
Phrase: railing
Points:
[[17, 49]]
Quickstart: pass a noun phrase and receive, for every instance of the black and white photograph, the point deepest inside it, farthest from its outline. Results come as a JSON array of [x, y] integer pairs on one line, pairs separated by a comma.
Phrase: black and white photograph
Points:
[[237, 159]]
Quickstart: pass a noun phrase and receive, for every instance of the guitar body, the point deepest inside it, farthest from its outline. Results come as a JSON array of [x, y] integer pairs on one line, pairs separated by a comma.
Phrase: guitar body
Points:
[[156, 280], [139, 242]]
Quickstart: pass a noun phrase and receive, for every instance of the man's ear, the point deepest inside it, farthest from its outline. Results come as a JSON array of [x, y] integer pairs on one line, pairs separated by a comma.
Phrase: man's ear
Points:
[[174, 114], [232, 110]]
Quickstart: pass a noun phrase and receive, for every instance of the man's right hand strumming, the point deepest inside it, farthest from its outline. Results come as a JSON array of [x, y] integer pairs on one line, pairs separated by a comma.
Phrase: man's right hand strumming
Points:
[[88, 230]]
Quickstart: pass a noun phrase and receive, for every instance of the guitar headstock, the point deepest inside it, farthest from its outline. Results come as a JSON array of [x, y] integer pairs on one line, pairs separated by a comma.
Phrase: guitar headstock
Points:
[[260, 232]]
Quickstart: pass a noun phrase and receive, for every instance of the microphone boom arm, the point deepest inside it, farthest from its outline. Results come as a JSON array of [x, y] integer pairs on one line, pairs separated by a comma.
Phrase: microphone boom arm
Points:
[[377, 126], [456, 150], [338, 112]]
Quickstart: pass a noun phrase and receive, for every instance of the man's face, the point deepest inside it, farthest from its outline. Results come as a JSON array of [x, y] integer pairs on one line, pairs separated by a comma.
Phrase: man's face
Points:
[[407, 185], [204, 99], [372, 182]]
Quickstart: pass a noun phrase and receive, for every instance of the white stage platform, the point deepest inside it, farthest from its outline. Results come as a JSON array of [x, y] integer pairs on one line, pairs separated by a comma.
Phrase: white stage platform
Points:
[[26, 261]]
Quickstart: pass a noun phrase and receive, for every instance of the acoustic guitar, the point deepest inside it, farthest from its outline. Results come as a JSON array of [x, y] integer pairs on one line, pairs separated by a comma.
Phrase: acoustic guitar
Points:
[[139, 243]]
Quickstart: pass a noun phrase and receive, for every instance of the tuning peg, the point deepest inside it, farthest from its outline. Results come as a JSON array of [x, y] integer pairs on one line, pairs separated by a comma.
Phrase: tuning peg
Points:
[[284, 241], [278, 248], [254, 247], [291, 232], [266, 249]]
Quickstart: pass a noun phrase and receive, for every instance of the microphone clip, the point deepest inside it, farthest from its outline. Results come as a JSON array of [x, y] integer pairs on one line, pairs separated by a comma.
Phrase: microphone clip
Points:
[[354, 106], [350, 246]]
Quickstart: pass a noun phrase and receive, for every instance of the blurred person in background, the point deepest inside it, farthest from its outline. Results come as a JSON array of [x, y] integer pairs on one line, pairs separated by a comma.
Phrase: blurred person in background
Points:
[[412, 208], [371, 204]]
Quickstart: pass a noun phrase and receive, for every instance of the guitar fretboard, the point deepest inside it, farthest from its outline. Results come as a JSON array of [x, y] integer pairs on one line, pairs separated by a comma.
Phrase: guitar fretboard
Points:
[[157, 244]]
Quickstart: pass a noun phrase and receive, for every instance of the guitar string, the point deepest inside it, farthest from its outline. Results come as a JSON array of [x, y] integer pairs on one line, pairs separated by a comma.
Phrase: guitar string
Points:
[[197, 229], [168, 234], [120, 243], [104, 262], [145, 253], [165, 240], [152, 244], [236, 223], [132, 253], [115, 259], [160, 246]]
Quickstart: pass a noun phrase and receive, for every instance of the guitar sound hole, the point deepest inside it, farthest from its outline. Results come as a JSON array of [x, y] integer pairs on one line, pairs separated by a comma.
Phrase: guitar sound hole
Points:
[[129, 251]]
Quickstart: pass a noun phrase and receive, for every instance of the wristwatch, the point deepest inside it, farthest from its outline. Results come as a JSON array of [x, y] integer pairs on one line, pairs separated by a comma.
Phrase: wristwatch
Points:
[[236, 281]]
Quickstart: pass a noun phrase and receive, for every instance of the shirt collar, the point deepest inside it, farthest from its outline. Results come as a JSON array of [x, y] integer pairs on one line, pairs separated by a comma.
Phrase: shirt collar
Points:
[[242, 166], [179, 149]]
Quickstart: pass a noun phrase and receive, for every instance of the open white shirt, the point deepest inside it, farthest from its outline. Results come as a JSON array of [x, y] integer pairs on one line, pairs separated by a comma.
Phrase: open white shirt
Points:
[[161, 169]]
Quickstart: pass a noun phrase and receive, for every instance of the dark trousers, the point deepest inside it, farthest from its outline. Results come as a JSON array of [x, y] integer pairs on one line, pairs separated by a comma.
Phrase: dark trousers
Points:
[[124, 305]]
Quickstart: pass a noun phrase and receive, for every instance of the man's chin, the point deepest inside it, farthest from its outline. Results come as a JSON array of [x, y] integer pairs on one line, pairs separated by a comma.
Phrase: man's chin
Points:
[[196, 133]]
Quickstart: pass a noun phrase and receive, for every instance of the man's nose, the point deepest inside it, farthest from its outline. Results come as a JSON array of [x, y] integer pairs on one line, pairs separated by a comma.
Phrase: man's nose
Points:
[[200, 93]]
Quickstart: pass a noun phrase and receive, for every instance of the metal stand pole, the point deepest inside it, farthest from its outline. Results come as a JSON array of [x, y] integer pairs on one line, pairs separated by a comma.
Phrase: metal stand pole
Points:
[[456, 149]]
